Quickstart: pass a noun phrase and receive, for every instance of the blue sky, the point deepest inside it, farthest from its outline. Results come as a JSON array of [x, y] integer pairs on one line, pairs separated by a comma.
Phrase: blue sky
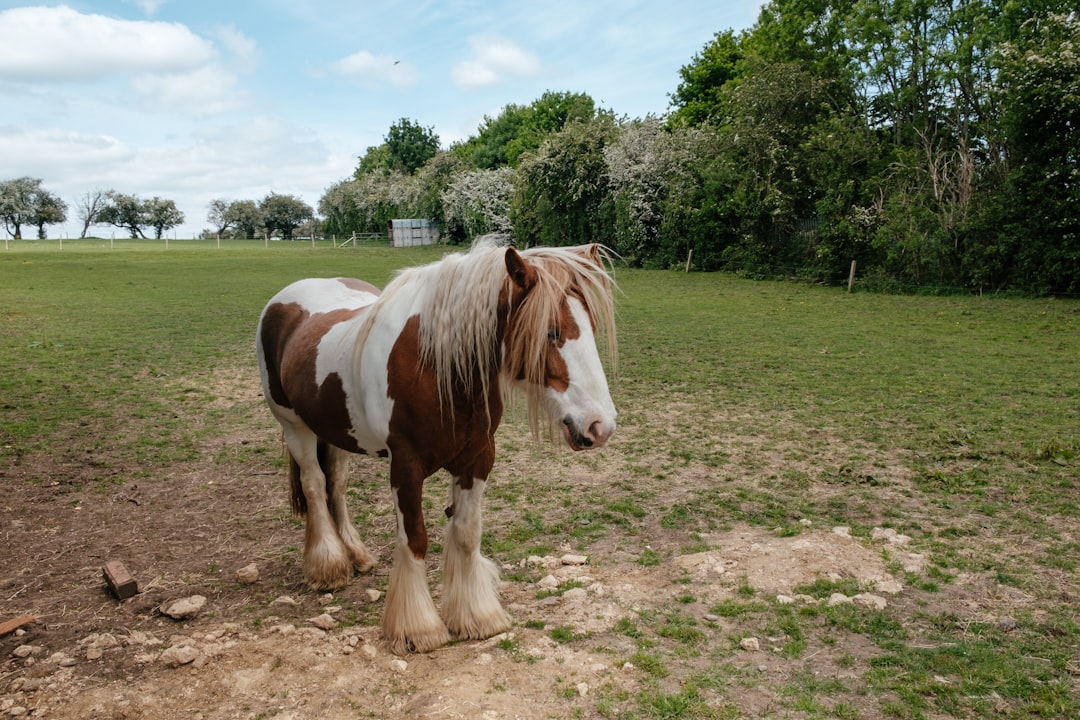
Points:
[[193, 100]]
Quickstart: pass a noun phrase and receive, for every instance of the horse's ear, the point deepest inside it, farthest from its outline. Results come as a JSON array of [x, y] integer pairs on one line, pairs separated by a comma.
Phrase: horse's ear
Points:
[[593, 253], [523, 274]]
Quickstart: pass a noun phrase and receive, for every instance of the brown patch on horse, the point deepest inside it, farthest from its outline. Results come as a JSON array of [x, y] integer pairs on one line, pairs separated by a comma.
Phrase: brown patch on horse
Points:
[[279, 322], [459, 437], [322, 407]]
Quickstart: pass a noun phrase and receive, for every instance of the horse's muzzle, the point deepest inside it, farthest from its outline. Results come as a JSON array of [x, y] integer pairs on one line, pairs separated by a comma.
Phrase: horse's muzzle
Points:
[[593, 436]]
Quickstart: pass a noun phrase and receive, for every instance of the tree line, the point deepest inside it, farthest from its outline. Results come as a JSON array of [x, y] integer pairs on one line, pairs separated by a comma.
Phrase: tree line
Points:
[[934, 142], [25, 203]]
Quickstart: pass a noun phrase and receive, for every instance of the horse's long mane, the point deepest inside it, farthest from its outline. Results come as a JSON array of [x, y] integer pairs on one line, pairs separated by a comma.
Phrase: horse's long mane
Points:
[[581, 272], [457, 299]]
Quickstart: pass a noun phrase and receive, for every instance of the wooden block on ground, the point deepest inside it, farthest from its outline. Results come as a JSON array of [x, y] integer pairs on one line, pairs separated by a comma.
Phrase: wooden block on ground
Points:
[[10, 626], [119, 579]]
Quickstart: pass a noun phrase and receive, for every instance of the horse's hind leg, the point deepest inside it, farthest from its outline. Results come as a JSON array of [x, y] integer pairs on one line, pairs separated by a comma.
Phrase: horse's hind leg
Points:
[[337, 468], [327, 565], [471, 606]]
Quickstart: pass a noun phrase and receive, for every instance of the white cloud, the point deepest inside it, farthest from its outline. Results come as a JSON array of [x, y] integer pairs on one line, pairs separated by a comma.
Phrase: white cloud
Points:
[[60, 44], [244, 50], [150, 7], [207, 91], [366, 68], [53, 153], [495, 57]]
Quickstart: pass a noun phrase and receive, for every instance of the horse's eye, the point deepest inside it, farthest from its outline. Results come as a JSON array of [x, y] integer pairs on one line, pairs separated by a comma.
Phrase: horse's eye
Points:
[[554, 335]]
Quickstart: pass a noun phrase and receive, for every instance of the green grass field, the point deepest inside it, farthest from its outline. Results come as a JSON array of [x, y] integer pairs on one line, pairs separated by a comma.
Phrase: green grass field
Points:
[[953, 420]]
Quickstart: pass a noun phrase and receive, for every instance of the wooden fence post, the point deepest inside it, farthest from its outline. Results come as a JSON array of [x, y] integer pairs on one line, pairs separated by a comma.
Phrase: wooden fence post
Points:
[[851, 277]]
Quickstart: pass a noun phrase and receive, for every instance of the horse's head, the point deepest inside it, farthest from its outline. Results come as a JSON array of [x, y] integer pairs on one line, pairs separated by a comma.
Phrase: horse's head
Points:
[[560, 303]]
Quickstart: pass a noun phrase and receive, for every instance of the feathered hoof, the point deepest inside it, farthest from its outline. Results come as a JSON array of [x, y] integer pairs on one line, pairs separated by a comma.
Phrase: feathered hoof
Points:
[[418, 642], [328, 572], [480, 627], [362, 560]]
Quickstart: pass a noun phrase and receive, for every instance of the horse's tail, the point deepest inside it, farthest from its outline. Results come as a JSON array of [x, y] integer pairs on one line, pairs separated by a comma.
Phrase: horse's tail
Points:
[[296, 488]]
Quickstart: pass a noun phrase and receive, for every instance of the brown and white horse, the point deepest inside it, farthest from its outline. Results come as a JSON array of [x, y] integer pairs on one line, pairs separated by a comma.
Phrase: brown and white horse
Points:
[[420, 373]]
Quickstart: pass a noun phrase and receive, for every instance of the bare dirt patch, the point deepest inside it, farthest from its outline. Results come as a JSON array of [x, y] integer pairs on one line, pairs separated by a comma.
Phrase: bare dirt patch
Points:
[[186, 527]]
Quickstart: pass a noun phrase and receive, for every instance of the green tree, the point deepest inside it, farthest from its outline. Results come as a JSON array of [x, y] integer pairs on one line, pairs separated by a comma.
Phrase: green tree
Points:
[[409, 145], [162, 215], [1037, 212], [518, 129], [24, 201], [562, 196], [240, 216], [246, 217], [124, 211], [282, 214], [699, 98]]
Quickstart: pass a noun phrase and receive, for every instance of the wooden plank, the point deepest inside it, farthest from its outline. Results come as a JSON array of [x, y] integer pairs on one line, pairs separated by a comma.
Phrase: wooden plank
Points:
[[10, 626]]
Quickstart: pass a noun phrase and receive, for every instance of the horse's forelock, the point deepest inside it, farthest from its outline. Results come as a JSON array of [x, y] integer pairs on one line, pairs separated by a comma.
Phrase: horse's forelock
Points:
[[458, 301], [560, 271]]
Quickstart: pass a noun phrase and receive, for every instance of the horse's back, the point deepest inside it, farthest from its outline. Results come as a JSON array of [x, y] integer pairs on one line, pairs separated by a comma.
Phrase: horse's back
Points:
[[305, 343]]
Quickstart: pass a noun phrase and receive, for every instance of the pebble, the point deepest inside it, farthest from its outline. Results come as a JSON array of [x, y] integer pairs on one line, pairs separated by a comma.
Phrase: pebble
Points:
[[548, 582], [179, 655], [184, 608], [372, 595], [400, 665], [286, 600], [751, 644], [869, 600], [892, 587], [571, 559], [785, 600], [324, 622], [838, 599], [369, 651], [889, 535], [248, 574]]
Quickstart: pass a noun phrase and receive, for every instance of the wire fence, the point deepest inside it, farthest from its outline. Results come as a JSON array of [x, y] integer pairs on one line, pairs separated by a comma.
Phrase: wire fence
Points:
[[861, 281], [357, 240]]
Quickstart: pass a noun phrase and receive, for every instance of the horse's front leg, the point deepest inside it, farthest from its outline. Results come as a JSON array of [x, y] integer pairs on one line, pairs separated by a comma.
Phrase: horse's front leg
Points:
[[410, 621], [471, 604]]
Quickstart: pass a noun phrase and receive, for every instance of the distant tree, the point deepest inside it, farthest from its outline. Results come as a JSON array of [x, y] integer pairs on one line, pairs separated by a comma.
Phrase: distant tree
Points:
[[376, 160], [162, 215], [430, 181], [48, 210], [88, 207], [246, 217], [1037, 210], [562, 196], [218, 216], [409, 145], [282, 214], [124, 211], [478, 202], [519, 129], [699, 98], [241, 216], [23, 201]]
